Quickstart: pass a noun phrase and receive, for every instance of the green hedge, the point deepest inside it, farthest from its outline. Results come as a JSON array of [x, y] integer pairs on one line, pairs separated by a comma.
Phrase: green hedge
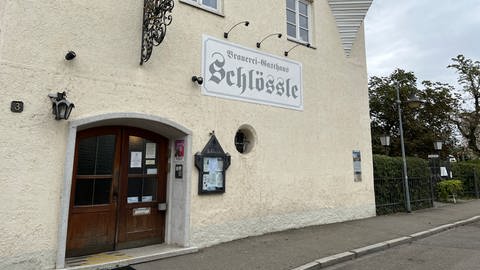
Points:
[[464, 171], [388, 182], [385, 166]]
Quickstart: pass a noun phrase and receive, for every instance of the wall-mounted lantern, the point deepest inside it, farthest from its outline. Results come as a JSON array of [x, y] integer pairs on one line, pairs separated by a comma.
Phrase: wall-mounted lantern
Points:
[[61, 107], [225, 34], [212, 164], [279, 35], [299, 44]]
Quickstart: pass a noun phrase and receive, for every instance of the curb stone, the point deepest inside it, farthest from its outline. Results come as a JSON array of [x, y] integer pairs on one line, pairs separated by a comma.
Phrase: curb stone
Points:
[[369, 249], [337, 258], [399, 241], [356, 253]]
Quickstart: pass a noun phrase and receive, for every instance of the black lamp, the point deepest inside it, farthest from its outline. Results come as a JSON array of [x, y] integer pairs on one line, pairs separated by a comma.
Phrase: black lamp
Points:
[[414, 102], [225, 34], [286, 52], [61, 107], [279, 35]]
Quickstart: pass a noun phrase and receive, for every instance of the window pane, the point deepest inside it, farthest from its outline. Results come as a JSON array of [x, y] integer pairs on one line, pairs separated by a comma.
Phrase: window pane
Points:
[[142, 189], [149, 189], [210, 3], [95, 155], [142, 156], [290, 16], [303, 8], [86, 156], [84, 192], [291, 30], [136, 157], [134, 189], [304, 35], [102, 191], [303, 22], [291, 4], [105, 154]]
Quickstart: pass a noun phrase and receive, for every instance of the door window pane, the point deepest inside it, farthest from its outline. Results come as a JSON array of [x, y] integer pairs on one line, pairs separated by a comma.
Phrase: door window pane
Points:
[[95, 155], [101, 192], [95, 158], [105, 154], [134, 190], [92, 191], [142, 189], [150, 188], [84, 192], [142, 156]]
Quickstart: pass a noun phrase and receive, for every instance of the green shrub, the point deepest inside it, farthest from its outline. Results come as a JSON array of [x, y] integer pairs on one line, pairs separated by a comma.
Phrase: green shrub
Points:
[[464, 171], [447, 188]]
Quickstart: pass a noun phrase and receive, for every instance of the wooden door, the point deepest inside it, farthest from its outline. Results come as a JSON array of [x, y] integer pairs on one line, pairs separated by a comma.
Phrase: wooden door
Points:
[[143, 188], [93, 203], [119, 179]]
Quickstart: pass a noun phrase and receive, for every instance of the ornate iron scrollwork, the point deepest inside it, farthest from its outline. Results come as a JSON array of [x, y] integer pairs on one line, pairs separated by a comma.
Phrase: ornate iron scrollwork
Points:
[[155, 22]]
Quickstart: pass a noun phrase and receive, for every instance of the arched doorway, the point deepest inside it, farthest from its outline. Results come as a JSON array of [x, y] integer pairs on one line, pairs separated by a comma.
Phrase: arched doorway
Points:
[[118, 187], [177, 222]]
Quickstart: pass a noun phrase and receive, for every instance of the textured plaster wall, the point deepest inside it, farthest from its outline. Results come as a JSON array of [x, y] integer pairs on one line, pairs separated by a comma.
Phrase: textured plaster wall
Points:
[[299, 173]]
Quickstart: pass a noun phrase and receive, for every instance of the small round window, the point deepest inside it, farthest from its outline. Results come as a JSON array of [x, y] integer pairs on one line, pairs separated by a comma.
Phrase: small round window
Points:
[[244, 139]]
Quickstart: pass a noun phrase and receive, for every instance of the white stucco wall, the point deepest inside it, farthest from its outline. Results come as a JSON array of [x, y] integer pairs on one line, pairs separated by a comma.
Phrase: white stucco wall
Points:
[[299, 173]]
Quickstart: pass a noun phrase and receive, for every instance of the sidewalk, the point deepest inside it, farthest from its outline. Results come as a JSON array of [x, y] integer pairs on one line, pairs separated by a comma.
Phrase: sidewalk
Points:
[[294, 248]]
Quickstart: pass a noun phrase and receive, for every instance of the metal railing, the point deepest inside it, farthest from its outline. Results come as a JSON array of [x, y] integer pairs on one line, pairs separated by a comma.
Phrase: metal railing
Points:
[[390, 195]]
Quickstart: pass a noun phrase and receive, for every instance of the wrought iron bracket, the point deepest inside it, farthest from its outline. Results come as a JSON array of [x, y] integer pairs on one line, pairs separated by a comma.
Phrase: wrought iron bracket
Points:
[[156, 17]]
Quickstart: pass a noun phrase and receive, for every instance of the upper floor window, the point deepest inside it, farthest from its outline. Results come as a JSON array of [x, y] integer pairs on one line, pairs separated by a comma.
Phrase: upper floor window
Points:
[[298, 20], [206, 4]]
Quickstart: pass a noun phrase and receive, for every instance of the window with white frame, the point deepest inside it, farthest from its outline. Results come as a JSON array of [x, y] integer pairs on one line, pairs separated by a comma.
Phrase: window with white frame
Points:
[[207, 4], [298, 20]]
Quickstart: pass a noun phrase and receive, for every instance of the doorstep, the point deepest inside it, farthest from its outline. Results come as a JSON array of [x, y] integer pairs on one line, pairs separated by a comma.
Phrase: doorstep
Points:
[[124, 257]]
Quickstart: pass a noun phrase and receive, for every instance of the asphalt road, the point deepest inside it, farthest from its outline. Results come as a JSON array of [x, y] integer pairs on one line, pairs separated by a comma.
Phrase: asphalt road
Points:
[[456, 249]]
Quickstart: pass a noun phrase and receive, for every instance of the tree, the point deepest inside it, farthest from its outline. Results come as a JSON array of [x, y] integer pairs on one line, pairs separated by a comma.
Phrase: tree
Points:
[[422, 126], [468, 120]]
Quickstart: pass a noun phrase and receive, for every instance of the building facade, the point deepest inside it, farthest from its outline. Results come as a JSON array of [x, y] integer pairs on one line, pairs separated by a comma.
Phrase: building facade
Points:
[[143, 158]]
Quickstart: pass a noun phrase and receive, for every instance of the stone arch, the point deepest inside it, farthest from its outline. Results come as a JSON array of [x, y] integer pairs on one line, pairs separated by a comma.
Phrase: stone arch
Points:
[[178, 192]]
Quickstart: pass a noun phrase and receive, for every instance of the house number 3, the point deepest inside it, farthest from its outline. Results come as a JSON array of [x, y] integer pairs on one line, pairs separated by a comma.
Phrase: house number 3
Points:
[[16, 106]]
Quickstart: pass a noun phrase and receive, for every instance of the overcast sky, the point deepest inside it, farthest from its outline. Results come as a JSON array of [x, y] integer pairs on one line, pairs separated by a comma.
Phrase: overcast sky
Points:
[[421, 36]]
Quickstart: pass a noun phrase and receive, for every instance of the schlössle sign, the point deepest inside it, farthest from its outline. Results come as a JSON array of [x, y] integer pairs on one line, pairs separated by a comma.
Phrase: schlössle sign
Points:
[[235, 72]]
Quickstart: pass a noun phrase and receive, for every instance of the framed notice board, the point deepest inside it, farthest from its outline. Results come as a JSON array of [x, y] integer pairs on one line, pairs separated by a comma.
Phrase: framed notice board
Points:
[[212, 164]]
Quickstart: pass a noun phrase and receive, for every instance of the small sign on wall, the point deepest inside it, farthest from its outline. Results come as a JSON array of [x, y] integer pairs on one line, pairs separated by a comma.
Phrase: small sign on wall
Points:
[[179, 150], [16, 106], [357, 166]]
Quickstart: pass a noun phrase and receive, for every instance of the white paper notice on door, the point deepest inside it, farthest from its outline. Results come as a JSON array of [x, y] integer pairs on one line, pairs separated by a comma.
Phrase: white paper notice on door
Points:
[[135, 159], [150, 150]]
